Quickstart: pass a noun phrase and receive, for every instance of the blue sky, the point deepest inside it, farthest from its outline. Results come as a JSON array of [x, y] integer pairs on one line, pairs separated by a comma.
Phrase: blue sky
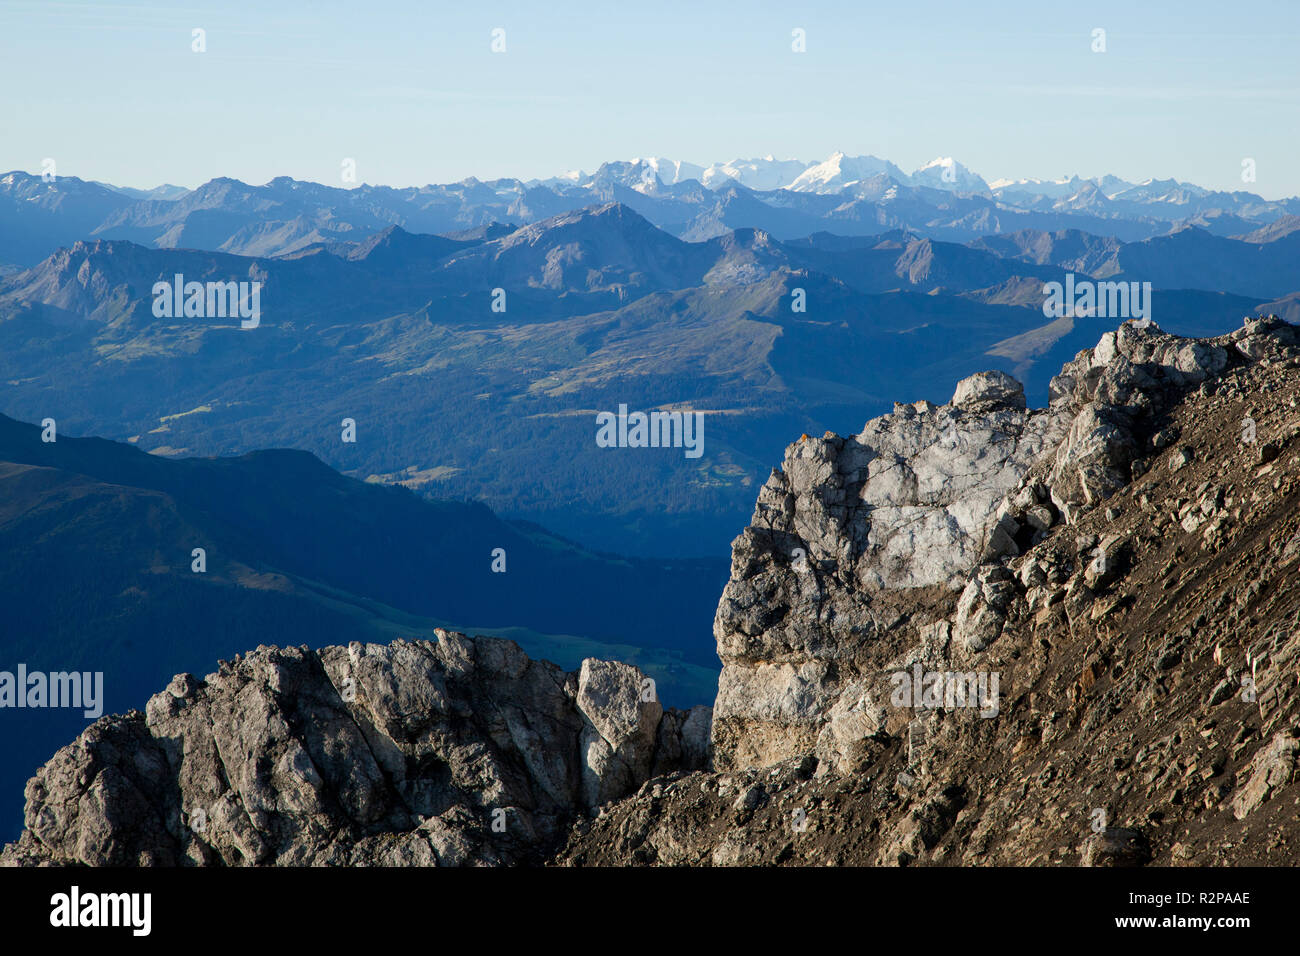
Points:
[[412, 91]]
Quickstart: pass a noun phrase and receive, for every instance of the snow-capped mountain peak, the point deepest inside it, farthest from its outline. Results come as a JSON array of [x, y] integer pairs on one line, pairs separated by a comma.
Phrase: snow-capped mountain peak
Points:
[[671, 171], [872, 179], [841, 171], [946, 173], [762, 173]]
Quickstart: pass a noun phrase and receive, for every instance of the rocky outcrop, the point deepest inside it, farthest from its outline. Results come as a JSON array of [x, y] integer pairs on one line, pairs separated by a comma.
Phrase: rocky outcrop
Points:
[[448, 752], [1141, 626], [850, 530], [908, 503]]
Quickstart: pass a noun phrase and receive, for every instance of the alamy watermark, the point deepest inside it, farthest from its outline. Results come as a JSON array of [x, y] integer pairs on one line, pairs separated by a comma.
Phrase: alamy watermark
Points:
[[55, 689], [948, 690], [133, 911], [652, 430], [208, 300], [1102, 300]]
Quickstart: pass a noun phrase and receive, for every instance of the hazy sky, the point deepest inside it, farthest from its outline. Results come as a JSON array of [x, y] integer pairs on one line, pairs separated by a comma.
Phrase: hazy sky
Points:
[[413, 92]]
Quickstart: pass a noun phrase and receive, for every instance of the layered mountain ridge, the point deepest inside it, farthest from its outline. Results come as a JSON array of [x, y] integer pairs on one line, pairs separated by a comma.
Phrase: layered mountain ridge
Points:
[[845, 194], [486, 354]]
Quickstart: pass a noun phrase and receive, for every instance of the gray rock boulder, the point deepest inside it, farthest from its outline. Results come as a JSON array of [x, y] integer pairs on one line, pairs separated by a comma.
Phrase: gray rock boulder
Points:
[[449, 752], [1273, 768], [982, 607], [989, 388]]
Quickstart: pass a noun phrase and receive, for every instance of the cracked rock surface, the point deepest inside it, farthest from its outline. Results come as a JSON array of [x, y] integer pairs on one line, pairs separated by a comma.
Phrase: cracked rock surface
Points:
[[449, 752]]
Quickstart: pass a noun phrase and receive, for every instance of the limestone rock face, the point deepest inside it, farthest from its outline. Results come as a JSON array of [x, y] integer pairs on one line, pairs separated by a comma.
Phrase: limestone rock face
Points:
[[923, 497], [1112, 390], [910, 502], [456, 751], [621, 733]]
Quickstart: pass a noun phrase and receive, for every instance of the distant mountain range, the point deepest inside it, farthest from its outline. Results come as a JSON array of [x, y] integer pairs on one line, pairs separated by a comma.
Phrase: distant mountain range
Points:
[[472, 333], [602, 308], [847, 195]]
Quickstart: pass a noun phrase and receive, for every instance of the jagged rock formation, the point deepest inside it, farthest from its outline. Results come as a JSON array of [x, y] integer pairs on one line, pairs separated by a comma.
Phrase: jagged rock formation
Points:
[[971, 634], [457, 751], [906, 504], [918, 499], [1138, 610]]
